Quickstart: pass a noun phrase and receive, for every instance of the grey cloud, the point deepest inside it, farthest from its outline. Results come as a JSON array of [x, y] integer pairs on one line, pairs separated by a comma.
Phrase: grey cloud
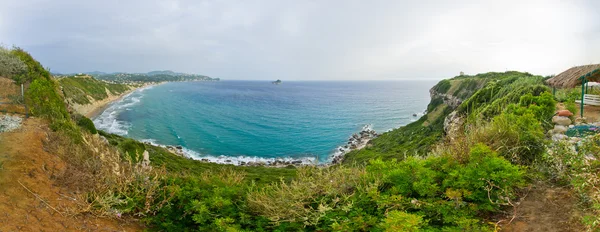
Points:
[[305, 40]]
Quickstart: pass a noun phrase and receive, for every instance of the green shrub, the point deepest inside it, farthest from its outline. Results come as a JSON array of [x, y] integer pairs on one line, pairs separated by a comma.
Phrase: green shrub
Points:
[[402, 221], [34, 69], [214, 201], [442, 87], [519, 138], [85, 123], [435, 102], [10, 65]]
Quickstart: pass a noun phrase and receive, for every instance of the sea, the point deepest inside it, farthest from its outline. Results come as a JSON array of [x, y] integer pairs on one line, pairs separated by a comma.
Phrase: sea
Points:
[[257, 121]]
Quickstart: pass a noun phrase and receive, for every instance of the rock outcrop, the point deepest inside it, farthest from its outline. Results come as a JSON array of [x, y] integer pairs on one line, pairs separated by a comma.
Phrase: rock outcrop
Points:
[[9, 123], [453, 124], [449, 99]]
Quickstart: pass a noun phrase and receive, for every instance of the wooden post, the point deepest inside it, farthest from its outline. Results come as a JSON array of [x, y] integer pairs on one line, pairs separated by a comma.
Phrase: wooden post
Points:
[[23, 96], [582, 95]]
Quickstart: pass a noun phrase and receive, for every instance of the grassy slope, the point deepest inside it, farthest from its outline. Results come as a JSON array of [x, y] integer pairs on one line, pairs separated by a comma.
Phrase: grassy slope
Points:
[[179, 165], [418, 138], [79, 88]]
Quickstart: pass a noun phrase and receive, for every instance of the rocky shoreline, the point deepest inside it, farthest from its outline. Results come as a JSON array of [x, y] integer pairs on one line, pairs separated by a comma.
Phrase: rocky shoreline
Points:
[[355, 142]]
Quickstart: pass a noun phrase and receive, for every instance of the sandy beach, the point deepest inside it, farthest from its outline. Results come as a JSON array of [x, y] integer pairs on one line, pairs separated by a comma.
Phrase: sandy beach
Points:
[[97, 107]]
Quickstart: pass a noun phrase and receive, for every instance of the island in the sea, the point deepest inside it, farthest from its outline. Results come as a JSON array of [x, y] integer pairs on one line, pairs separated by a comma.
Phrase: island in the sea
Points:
[[276, 82]]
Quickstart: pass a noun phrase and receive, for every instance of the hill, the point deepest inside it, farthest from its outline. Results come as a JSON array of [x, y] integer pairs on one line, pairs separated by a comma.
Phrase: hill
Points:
[[155, 76], [85, 95]]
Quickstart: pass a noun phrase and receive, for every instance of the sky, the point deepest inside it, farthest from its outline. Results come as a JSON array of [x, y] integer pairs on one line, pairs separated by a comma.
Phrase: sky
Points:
[[305, 39]]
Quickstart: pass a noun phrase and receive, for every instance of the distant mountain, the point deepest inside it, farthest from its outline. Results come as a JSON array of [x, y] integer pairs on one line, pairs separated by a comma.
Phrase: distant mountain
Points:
[[153, 76], [165, 72], [96, 73]]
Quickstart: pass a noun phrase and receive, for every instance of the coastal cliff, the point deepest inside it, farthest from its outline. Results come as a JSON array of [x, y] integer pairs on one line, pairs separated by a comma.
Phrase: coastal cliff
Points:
[[419, 137], [87, 96], [95, 106]]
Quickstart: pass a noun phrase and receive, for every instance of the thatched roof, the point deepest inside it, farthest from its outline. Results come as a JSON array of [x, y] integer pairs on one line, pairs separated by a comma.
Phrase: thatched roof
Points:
[[572, 77]]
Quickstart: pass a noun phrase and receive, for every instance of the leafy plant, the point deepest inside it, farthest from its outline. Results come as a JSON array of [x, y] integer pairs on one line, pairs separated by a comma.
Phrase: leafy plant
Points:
[[10, 65]]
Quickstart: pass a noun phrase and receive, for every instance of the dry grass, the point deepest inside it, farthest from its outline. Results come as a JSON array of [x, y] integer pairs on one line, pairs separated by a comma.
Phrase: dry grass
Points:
[[307, 198], [570, 77], [110, 185], [8, 88]]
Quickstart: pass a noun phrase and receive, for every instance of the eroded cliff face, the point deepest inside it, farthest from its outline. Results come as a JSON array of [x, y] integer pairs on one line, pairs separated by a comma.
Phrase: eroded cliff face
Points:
[[96, 106], [447, 98], [455, 93], [453, 121]]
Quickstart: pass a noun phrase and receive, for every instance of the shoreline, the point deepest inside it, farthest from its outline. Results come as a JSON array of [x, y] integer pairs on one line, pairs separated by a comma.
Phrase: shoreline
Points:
[[98, 107], [356, 141]]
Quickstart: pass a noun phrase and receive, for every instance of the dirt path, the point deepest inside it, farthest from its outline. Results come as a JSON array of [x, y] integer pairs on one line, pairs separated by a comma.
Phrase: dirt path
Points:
[[546, 208], [29, 198]]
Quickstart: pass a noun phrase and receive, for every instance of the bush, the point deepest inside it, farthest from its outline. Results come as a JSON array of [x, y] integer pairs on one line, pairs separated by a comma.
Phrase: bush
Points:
[[519, 138], [442, 87], [85, 123], [10, 65], [402, 221], [213, 201], [308, 198], [34, 69], [111, 186]]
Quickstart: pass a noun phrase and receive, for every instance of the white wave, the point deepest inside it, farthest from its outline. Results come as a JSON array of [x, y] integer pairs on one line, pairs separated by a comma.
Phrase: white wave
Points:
[[342, 150], [107, 120], [238, 160]]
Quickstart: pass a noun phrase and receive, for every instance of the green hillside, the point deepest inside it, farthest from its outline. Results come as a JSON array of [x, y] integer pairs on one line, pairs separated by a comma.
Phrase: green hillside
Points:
[[78, 88], [155, 76], [419, 137]]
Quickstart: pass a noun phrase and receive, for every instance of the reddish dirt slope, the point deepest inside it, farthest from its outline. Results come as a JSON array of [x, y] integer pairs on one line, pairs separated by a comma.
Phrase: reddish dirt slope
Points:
[[30, 200], [546, 208]]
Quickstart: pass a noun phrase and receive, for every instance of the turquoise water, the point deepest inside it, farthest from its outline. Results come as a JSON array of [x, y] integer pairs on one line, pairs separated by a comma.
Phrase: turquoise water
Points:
[[253, 120]]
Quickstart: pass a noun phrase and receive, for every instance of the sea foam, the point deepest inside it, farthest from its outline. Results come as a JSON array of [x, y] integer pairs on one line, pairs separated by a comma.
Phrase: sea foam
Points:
[[108, 119]]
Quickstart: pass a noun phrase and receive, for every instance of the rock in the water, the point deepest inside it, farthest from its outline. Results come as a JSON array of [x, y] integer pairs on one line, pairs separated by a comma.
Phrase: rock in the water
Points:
[[564, 113], [558, 129], [561, 120]]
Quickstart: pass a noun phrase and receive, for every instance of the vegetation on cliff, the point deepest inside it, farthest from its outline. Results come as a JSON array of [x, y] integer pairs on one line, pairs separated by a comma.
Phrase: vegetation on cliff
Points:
[[79, 89]]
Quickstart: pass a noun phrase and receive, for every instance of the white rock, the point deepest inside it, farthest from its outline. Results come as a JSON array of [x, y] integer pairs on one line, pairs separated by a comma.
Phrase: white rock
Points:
[[561, 120], [557, 137], [9, 123], [558, 129], [146, 159]]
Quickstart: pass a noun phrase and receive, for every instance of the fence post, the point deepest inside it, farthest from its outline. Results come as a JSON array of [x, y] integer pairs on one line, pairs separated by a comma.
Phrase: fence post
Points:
[[25, 104]]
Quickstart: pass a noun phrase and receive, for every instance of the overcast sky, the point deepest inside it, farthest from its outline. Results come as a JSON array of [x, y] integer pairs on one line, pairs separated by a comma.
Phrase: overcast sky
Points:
[[305, 40]]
